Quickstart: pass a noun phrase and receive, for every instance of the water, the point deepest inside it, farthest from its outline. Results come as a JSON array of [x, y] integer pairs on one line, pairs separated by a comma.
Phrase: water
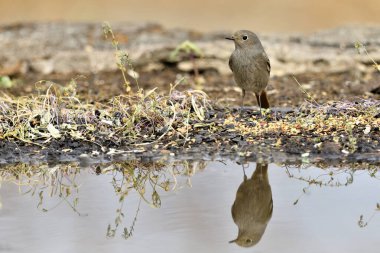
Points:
[[189, 210]]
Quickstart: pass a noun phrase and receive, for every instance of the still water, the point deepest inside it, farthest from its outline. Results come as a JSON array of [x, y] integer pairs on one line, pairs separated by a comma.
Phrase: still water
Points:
[[188, 207]]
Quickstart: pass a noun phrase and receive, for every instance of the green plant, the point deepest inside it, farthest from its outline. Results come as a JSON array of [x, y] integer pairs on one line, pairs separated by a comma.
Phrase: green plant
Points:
[[360, 47], [6, 82], [191, 51], [122, 58]]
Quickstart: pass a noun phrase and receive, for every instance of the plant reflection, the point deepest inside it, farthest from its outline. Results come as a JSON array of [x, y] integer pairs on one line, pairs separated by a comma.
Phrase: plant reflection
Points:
[[147, 179], [253, 207], [59, 181], [251, 211], [44, 181], [338, 176]]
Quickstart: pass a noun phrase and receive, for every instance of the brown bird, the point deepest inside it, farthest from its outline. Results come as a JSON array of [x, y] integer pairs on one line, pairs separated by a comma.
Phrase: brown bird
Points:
[[250, 66], [253, 207]]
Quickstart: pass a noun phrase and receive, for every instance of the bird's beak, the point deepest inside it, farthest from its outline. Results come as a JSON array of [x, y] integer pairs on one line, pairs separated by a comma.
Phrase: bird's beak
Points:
[[233, 241], [230, 38]]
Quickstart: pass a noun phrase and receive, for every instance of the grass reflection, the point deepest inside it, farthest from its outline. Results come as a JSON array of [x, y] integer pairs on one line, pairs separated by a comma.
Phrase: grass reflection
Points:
[[45, 182], [60, 184], [148, 179], [337, 176]]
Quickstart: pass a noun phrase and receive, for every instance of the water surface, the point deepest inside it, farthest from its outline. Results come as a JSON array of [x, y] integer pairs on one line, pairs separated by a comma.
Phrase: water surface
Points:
[[187, 208]]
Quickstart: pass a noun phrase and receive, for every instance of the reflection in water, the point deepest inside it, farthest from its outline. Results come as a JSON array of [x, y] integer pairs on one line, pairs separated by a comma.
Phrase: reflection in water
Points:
[[333, 177], [253, 207], [146, 182], [45, 181], [58, 182]]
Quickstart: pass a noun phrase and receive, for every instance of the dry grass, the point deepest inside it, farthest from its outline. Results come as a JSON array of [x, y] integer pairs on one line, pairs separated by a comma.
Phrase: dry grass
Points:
[[56, 113], [342, 122]]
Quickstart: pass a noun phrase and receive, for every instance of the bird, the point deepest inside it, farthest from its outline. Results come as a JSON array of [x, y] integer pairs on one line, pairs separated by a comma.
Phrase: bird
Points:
[[253, 207], [250, 66]]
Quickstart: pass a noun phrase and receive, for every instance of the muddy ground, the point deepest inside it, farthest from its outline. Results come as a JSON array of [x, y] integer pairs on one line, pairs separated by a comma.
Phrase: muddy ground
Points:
[[326, 65], [283, 91], [225, 133]]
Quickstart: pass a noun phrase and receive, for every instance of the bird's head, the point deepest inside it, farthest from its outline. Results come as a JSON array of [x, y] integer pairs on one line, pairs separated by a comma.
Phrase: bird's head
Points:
[[245, 39], [245, 241]]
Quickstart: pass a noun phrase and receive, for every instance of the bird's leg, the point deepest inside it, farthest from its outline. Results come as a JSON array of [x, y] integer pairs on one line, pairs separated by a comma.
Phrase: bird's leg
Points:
[[242, 97], [244, 166], [242, 101], [260, 105], [262, 100], [258, 97]]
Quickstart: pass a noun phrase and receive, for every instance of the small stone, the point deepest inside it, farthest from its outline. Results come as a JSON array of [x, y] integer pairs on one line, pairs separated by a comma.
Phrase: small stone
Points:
[[42, 66]]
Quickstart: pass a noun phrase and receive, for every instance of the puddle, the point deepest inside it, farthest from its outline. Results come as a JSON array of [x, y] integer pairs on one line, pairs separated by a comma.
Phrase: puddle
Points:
[[185, 206]]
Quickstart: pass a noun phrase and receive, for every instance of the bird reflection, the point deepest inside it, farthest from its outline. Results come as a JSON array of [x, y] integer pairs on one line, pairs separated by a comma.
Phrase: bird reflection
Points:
[[253, 207]]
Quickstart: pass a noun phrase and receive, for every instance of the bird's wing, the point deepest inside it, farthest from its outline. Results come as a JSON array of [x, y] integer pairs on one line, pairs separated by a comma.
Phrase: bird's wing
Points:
[[230, 63], [233, 212], [271, 207], [267, 61]]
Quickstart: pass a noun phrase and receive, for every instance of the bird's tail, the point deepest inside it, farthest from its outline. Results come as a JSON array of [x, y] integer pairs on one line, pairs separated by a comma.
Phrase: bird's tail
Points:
[[262, 100], [261, 171]]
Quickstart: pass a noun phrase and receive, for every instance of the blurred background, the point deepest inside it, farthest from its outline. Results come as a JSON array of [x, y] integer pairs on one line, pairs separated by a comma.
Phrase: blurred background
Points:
[[204, 15]]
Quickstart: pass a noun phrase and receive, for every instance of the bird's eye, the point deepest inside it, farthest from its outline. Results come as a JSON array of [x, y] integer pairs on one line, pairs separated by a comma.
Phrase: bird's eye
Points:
[[245, 37], [248, 241]]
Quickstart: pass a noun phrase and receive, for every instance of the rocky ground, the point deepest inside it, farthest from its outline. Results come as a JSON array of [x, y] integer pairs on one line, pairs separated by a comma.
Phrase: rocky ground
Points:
[[326, 65]]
